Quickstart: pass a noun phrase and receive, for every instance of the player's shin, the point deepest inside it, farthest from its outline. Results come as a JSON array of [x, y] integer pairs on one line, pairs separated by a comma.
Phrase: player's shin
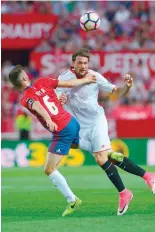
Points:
[[129, 166], [125, 196], [113, 175], [61, 184]]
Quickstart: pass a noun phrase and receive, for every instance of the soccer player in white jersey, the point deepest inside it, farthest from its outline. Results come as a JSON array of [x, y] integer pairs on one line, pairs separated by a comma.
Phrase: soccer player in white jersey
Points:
[[82, 103]]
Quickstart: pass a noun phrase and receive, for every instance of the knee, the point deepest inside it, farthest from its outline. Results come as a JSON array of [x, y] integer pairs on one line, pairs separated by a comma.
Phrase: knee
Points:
[[101, 157], [100, 161], [48, 170]]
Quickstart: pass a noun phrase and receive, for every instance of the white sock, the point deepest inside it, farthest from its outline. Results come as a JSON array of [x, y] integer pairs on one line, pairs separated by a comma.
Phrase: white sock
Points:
[[61, 184]]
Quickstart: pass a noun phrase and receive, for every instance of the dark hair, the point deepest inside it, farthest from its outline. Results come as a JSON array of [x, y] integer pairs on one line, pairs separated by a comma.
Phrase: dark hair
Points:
[[14, 75], [82, 52]]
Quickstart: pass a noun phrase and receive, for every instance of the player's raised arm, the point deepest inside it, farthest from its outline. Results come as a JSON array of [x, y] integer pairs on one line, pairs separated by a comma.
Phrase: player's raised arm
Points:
[[36, 106], [77, 82], [106, 86], [121, 92]]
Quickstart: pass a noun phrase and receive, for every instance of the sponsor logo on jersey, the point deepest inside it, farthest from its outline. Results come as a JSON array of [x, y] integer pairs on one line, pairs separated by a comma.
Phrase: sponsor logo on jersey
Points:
[[40, 92]]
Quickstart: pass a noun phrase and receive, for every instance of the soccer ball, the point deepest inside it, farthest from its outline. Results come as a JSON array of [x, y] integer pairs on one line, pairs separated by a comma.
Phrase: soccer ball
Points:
[[89, 21]]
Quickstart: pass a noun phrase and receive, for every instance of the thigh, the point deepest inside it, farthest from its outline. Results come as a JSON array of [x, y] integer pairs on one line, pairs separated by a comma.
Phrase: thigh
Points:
[[85, 145], [52, 160], [99, 136], [62, 141], [77, 130], [101, 157], [60, 145], [85, 142]]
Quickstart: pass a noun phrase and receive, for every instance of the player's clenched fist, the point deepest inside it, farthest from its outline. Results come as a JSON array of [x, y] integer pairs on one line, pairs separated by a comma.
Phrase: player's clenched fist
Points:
[[63, 98], [128, 79], [89, 78], [51, 125]]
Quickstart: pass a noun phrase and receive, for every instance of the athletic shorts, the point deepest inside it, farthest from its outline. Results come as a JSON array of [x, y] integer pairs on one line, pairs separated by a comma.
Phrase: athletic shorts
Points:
[[95, 138], [62, 140]]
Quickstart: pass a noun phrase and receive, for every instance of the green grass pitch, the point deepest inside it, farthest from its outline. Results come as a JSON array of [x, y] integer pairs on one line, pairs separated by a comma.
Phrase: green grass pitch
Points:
[[30, 202]]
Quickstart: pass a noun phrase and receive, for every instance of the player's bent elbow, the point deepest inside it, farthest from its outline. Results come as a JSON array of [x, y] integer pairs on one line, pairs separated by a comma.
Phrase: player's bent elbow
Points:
[[115, 90], [36, 105]]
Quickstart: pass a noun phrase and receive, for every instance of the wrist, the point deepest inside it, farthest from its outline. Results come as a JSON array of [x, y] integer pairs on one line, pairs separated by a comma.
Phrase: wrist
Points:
[[48, 119]]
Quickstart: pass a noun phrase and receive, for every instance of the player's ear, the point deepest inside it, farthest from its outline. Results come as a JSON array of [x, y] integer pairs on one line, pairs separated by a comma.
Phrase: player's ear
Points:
[[24, 78]]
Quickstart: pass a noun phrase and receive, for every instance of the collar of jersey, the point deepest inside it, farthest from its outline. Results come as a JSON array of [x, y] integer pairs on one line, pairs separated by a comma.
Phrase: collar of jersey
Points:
[[27, 87], [73, 71]]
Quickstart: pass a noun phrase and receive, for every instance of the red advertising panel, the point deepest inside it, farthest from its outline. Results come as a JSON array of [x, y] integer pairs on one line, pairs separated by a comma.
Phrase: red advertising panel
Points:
[[26, 30], [135, 112], [137, 121], [111, 64], [136, 128], [118, 128]]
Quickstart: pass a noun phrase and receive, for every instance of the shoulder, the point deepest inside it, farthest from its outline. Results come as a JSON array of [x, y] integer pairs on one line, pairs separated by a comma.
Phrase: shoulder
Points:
[[65, 72], [94, 72], [23, 100], [97, 74], [40, 81], [66, 75], [28, 95], [48, 82]]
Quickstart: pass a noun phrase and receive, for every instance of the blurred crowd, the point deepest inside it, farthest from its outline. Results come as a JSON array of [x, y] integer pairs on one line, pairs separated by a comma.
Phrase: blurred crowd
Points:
[[142, 92], [10, 96], [125, 25]]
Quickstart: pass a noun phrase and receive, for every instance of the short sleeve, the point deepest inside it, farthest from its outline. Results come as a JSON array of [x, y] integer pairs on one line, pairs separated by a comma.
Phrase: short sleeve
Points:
[[104, 84], [27, 102], [50, 82]]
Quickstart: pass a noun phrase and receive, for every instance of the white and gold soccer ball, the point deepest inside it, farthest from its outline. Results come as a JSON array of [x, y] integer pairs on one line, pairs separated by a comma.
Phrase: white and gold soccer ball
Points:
[[90, 21]]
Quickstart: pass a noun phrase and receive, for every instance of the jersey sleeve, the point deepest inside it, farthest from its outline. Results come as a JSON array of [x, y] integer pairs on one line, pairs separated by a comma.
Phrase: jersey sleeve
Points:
[[104, 84], [50, 82], [27, 102]]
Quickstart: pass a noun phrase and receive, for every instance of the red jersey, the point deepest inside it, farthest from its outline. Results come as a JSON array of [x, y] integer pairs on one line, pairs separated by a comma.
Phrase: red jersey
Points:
[[43, 91]]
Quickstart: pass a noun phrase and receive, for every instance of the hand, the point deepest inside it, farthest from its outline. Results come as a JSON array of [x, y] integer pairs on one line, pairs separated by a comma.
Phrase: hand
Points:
[[90, 78], [63, 98], [128, 79], [51, 125]]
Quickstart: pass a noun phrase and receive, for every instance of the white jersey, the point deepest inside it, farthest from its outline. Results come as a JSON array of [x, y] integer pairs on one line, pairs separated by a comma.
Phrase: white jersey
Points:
[[82, 101]]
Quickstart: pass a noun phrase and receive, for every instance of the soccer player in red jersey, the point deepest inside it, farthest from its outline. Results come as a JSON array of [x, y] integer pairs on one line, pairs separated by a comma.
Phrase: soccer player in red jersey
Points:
[[40, 99]]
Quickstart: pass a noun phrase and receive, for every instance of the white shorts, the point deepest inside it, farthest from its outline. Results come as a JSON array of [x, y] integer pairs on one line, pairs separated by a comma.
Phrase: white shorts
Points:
[[95, 138]]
